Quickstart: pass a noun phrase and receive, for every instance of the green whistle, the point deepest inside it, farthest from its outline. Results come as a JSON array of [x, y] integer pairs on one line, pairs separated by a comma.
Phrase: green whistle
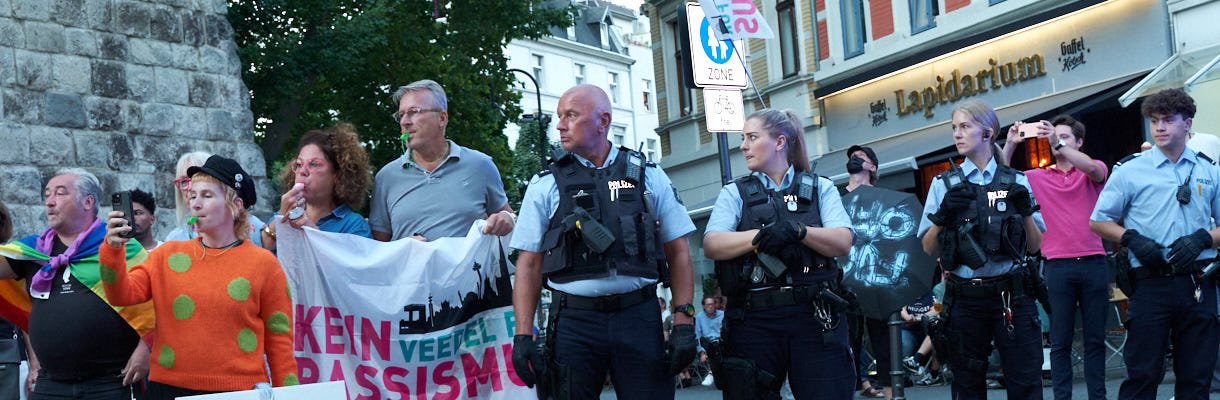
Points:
[[191, 220]]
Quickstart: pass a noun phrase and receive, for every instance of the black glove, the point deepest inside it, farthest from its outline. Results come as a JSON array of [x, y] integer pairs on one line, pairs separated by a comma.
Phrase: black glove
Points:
[[1022, 200], [954, 202], [681, 347], [855, 164], [525, 355], [1184, 250], [1144, 249], [773, 238]]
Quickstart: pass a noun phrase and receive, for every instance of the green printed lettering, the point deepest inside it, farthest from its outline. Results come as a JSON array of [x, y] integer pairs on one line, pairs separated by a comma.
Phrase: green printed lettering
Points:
[[408, 351], [471, 339], [483, 331], [510, 320], [442, 347], [426, 350]]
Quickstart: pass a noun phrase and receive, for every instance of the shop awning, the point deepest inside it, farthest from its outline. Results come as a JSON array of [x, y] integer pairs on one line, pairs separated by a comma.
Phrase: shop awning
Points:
[[921, 141], [1180, 70]]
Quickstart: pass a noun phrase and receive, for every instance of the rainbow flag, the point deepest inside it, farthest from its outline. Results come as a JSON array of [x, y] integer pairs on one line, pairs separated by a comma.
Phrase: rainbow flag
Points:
[[15, 300]]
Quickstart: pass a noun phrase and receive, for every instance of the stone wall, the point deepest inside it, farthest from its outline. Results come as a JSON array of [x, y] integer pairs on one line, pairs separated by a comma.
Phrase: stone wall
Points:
[[120, 88]]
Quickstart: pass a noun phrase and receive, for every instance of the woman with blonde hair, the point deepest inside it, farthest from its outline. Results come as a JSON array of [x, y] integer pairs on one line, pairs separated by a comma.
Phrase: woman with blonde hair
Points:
[[324, 182], [221, 303], [774, 234], [182, 188]]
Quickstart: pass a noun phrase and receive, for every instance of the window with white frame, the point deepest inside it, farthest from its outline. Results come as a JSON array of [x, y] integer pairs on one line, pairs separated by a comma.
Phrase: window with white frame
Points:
[[651, 150], [647, 95], [572, 32], [614, 87], [853, 27], [619, 135], [605, 35], [538, 70], [578, 72], [685, 95], [923, 15]]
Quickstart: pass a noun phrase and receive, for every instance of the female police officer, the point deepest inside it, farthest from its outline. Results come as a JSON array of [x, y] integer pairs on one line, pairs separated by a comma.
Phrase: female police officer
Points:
[[783, 318], [982, 221]]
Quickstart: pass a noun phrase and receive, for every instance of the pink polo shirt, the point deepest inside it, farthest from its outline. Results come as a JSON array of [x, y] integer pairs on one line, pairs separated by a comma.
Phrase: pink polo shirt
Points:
[[1067, 200]]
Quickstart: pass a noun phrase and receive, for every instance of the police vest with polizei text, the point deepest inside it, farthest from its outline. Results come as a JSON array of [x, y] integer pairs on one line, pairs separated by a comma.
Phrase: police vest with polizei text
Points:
[[761, 207], [998, 228], [615, 197]]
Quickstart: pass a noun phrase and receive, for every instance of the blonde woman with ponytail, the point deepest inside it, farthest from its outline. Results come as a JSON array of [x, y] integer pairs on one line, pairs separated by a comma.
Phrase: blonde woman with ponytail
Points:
[[774, 234]]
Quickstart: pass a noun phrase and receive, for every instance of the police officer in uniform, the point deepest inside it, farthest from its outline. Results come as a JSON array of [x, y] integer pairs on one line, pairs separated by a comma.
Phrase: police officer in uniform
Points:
[[982, 221], [598, 227], [1166, 197], [774, 234]]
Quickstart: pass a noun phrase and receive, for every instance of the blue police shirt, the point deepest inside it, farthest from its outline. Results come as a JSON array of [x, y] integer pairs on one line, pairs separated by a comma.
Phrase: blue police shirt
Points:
[[937, 192], [1142, 193], [542, 199], [707, 327], [343, 220], [727, 212]]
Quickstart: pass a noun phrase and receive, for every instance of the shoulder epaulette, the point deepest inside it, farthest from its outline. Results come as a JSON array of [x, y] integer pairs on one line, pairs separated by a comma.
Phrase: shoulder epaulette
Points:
[[1205, 157], [1127, 158]]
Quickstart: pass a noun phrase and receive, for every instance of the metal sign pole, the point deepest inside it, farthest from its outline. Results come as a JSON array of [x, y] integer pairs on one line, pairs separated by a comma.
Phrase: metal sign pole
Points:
[[723, 142]]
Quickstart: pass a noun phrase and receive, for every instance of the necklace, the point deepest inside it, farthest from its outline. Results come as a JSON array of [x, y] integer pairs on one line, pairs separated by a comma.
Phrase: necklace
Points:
[[223, 249], [437, 159]]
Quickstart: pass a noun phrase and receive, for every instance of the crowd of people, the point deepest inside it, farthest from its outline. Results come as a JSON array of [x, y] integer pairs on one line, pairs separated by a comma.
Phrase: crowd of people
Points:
[[781, 317]]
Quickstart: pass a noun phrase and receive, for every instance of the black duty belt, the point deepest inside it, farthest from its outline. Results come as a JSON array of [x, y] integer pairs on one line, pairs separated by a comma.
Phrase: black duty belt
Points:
[[607, 304], [980, 287], [1145, 272], [781, 296]]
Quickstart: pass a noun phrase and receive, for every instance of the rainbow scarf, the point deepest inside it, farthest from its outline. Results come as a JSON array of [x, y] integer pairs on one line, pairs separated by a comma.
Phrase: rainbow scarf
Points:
[[83, 265]]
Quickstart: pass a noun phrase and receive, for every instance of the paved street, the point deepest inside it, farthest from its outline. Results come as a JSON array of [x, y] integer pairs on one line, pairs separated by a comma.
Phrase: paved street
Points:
[[1165, 391]]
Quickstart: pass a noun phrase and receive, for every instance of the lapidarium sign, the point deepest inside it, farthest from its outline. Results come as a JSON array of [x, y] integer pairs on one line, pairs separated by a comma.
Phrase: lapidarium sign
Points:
[[957, 86]]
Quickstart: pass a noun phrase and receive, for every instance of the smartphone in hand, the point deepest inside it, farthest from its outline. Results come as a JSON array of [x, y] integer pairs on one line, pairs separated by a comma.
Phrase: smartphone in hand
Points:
[[121, 202], [1029, 130]]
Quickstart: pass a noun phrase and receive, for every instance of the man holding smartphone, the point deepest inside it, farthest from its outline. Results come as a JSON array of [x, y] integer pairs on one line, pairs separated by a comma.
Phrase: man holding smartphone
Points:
[[1076, 265]]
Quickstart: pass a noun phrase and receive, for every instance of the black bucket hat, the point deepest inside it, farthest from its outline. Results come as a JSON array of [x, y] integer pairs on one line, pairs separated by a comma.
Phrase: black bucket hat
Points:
[[230, 173]]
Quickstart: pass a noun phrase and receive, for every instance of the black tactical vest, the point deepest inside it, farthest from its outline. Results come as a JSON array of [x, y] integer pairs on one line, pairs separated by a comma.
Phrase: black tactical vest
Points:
[[997, 227], [759, 207], [618, 199]]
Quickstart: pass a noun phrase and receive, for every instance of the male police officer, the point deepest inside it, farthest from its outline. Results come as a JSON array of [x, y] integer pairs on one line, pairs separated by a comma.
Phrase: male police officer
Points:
[[981, 219], [1166, 198], [599, 226]]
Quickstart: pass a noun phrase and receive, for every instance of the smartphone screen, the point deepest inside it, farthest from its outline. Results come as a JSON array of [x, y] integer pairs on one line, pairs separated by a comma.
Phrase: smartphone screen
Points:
[[121, 201]]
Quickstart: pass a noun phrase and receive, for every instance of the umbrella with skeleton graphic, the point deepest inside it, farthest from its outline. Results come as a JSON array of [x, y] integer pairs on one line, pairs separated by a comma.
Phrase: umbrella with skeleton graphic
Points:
[[887, 267]]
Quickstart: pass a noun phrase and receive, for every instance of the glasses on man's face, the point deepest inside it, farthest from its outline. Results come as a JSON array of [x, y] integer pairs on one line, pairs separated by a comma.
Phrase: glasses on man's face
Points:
[[412, 112], [182, 183], [313, 164]]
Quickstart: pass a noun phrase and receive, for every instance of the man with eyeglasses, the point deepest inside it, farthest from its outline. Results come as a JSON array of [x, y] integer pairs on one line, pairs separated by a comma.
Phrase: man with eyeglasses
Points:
[[437, 188], [1167, 200]]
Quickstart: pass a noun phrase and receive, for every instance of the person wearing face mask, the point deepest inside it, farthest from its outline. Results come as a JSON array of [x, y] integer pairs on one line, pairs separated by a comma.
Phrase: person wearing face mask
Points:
[[774, 235], [1167, 201], [982, 221]]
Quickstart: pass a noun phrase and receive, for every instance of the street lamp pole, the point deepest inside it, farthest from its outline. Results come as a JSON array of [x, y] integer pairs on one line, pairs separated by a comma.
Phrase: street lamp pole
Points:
[[546, 144]]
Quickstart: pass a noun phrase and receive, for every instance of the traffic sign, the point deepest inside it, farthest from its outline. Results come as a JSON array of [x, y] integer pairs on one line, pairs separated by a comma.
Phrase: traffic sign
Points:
[[713, 62], [724, 110]]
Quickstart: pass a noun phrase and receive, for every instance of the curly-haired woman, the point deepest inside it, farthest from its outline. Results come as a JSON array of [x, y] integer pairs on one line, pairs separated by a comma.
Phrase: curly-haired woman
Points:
[[327, 179]]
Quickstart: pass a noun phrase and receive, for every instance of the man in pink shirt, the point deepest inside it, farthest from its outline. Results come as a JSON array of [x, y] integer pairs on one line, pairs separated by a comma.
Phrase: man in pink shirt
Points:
[[1076, 266]]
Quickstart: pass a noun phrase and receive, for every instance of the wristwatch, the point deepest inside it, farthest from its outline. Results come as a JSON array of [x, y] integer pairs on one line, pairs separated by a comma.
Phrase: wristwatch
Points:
[[687, 309], [1059, 145]]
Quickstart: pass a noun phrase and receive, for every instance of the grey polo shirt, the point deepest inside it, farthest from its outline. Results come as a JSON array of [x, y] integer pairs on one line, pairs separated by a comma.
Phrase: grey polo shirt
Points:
[[409, 200]]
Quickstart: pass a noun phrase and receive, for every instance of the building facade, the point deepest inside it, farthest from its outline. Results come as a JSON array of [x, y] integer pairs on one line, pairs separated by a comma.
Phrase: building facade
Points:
[[607, 47], [887, 74]]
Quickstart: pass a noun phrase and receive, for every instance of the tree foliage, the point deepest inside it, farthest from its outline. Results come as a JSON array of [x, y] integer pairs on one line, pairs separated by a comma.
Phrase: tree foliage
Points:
[[528, 154], [311, 63]]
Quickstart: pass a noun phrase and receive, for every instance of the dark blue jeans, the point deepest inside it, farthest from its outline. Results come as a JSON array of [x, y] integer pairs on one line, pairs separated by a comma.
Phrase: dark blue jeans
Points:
[[1078, 284], [787, 341], [976, 322], [629, 343], [101, 388], [1164, 309]]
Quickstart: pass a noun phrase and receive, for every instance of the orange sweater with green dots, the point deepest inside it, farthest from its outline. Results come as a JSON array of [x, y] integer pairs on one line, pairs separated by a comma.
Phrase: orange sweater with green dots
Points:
[[217, 313]]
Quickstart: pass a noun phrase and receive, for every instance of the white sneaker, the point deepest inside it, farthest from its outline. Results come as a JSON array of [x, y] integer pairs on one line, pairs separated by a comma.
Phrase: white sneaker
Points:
[[708, 381]]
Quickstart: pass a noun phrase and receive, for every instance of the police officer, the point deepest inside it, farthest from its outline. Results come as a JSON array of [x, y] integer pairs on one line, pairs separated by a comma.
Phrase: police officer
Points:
[[598, 227], [982, 221], [1167, 200], [774, 234]]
